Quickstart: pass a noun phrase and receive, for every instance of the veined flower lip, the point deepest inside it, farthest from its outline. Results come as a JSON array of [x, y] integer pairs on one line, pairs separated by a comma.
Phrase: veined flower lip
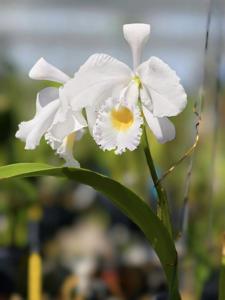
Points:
[[118, 126]]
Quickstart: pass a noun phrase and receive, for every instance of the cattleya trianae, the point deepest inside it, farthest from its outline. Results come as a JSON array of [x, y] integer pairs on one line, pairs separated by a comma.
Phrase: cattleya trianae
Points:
[[109, 98]]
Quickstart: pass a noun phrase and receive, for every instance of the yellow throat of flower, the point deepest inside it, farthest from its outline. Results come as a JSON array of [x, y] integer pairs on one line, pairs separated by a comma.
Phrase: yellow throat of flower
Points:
[[69, 140], [137, 80], [122, 118]]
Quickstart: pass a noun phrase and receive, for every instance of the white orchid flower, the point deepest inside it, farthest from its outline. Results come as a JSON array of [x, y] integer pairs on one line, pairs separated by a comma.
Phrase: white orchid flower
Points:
[[153, 84], [54, 116]]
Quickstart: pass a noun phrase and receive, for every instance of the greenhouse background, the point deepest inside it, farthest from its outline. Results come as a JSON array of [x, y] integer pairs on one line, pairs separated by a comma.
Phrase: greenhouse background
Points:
[[84, 242]]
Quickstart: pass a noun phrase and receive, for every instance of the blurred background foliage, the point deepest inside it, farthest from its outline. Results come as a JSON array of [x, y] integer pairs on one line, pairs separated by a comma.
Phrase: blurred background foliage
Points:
[[85, 243]]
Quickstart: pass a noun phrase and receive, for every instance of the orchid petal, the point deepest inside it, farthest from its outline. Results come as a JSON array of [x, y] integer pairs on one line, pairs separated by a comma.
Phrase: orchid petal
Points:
[[42, 70], [136, 35], [32, 131], [100, 77], [66, 123], [65, 147], [162, 128], [163, 85]]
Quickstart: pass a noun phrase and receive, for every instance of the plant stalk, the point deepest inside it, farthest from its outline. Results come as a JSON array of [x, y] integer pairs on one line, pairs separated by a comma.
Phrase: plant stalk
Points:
[[162, 203]]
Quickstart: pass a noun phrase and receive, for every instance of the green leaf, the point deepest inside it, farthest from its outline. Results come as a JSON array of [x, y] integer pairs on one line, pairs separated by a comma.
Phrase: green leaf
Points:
[[126, 200]]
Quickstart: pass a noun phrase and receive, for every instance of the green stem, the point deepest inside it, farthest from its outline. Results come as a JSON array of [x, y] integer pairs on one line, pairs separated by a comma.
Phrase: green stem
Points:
[[162, 204]]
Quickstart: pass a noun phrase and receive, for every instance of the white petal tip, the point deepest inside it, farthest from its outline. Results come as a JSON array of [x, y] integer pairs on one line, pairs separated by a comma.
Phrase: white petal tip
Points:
[[136, 35], [35, 70], [42, 70], [136, 31]]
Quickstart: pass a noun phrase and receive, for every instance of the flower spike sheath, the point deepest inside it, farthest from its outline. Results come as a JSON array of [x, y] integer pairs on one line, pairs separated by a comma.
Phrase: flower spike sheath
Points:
[[54, 117]]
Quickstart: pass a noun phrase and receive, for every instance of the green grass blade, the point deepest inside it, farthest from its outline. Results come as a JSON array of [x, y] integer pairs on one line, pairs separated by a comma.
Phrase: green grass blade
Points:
[[126, 200]]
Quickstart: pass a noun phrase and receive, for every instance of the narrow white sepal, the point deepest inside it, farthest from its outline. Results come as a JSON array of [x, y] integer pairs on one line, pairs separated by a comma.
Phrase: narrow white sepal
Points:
[[136, 35], [43, 70]]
